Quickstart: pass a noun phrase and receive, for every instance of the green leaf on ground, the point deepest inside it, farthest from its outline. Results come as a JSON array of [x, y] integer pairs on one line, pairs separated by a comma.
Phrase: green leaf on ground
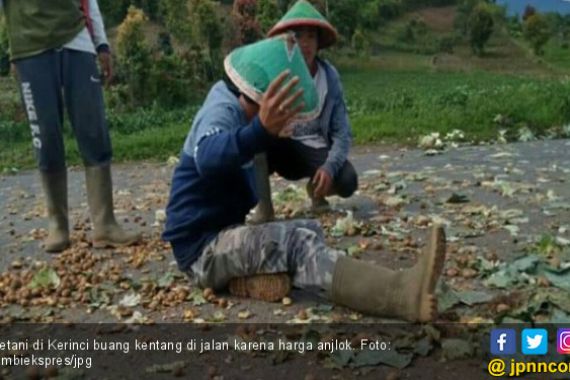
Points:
[[432, 332], [560, 299], [457, 198], [561, 281], [165, 368], [345, 226], [166, 280], [130, 300], [526, 264], [454, 349], [45, 278], [472, 297], [374, 357], [197, 298], [559, 317], [423, 347], [342, 357], [447, 299], [501, 279]]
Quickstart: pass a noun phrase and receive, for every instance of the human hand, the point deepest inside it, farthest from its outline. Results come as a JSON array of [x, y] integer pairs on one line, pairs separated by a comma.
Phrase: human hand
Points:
[[323, 183], [276, 106], [287, 131], [106, 62]]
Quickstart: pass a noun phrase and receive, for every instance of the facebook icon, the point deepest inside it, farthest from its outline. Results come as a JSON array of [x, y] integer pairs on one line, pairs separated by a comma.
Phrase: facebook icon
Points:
[[503, 342]]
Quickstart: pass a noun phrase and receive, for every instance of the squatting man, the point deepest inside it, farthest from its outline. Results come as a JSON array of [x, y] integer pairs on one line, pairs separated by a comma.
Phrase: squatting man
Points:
[[267, 86]]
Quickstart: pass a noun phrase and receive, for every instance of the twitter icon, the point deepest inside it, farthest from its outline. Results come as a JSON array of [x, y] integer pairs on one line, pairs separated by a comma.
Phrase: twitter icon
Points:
[[534, 341]]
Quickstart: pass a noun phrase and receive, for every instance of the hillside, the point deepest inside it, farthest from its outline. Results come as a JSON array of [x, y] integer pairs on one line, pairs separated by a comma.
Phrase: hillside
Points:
[[503, 54]]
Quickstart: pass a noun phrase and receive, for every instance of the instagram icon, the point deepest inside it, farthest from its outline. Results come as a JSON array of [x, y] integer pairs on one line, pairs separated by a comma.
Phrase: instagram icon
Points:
[[563, 341]]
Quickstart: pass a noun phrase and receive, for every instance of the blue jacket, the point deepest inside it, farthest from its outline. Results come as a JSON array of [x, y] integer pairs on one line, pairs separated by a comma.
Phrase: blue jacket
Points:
[[334, 121], [213, 186]]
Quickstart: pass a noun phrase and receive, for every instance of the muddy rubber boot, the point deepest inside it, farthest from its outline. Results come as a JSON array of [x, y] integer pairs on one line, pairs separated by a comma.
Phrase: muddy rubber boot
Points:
[[318, 205], [263, 212], [55, 190], [271, 287], [107, 232], [407, 294]]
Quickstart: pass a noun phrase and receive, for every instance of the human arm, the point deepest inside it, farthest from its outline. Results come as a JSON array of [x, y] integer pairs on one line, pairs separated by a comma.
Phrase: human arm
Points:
[[339, 134], [97, 30], [221, 147], [99, 37]]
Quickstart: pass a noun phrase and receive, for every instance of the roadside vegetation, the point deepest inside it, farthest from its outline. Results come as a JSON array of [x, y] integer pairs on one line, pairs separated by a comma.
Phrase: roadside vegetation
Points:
[[409, 68]]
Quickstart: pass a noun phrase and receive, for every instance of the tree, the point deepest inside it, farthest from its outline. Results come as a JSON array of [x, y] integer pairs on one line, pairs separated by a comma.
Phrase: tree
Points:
[[114, 11], [176, 17], [4, 49], [244, 15], [537, 32], [134, 55], [344, 15], [268, 14], [463, 13], [481, 25], [529, 10], [208, 33], [360, 43], [208, 27]]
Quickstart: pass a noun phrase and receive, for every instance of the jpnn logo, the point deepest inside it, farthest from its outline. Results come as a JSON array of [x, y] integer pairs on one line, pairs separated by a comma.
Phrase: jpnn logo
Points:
[[534, 341], [504, 342]]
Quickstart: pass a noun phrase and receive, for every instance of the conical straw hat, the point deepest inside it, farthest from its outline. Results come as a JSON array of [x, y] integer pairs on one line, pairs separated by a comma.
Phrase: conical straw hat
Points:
[[304, 13], [253, 67]]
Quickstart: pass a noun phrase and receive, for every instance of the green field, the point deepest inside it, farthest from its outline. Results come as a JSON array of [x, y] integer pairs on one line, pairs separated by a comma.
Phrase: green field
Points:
[[400, 106]]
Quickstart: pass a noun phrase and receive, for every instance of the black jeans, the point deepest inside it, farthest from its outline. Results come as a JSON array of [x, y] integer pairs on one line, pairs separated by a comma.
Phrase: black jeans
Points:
[[293, 160]]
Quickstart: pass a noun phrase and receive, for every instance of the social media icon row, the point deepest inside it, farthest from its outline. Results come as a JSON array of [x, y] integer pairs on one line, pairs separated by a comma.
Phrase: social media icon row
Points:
[[533, 341]]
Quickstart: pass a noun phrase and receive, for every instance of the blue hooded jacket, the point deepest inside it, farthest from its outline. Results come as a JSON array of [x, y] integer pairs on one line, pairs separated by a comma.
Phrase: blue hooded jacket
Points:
[[213, 186]]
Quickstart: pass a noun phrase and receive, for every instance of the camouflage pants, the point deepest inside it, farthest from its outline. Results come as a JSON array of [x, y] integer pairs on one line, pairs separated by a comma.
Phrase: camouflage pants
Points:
[[297, 247]]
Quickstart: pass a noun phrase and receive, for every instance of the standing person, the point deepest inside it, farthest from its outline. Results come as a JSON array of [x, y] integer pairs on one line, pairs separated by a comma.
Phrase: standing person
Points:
[[318, 149], [54, 45], [213, 189]]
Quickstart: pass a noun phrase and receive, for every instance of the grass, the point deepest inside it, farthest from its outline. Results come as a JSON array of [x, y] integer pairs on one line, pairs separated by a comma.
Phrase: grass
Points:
[[557, 55], [400, 106]]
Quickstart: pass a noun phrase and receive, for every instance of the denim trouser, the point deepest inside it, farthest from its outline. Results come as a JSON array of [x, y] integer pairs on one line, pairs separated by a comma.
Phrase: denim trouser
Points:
[[67, 78]]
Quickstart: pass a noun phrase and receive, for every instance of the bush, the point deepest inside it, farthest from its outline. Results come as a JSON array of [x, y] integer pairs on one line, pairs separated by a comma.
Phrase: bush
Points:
[[406, 33], [268, 14], [360, 43], [345, 16], [4, 49], [447, 44], [208, 30], [244, 15], [537, 32], [134, 56], [480, 27], [176, 16]]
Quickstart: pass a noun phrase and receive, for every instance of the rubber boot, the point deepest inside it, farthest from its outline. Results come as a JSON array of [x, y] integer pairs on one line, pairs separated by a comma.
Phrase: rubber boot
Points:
[[407, 294], [55, 189], [263, 212], [107, 232]]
